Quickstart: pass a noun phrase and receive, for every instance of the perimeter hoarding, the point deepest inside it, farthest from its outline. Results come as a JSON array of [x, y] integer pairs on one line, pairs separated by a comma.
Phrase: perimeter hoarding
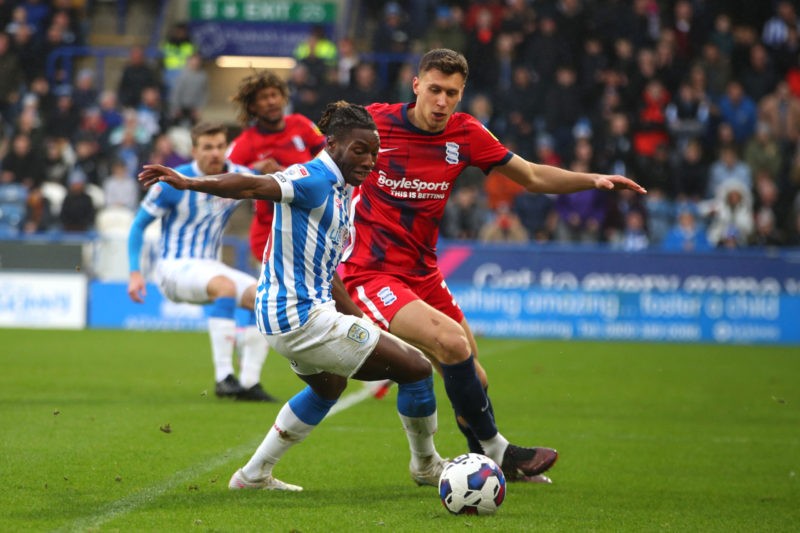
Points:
[[543, 292]]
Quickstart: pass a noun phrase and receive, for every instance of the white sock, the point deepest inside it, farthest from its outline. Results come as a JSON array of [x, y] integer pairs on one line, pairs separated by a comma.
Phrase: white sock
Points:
[[495, 448], [419, 432], [287, 431], [222, 332], [253, 350]]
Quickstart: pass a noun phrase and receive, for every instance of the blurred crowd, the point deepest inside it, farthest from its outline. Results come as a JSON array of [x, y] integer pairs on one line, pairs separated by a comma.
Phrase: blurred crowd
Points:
[[697, 100]]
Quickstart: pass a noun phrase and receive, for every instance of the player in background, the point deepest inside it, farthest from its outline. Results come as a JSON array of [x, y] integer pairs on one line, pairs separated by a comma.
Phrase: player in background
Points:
[[271, 140], [190, 270], [391, 269], [295, 305]]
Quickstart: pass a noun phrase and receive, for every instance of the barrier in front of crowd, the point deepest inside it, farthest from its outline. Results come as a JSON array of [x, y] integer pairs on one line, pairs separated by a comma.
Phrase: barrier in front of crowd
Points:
[[531, 291]]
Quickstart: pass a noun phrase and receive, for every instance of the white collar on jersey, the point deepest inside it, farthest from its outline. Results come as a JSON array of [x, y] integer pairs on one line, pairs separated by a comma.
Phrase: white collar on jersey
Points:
[[325, 157]]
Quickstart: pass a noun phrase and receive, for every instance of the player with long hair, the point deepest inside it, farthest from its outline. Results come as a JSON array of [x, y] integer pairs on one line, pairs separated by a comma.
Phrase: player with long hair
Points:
[[270, 141]]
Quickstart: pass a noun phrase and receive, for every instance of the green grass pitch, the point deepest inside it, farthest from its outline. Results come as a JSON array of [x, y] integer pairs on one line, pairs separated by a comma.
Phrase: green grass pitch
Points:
[[652, 437]]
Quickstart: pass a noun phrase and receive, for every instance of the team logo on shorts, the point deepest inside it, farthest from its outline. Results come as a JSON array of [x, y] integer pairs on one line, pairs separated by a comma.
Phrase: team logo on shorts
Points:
[[387, 296], [358, 334]]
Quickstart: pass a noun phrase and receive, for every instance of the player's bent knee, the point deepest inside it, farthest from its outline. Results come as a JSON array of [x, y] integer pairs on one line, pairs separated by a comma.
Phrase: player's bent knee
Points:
[[454, 348]]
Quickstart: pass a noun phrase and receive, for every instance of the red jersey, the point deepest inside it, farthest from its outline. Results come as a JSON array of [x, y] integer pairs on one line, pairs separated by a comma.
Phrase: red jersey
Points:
[[298, 142], [397, 212]]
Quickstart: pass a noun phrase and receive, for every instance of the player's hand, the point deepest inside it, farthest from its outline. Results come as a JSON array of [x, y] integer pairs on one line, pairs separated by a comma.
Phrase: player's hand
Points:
[[152, 174], [617, 182], [137, 288], [267, 166]]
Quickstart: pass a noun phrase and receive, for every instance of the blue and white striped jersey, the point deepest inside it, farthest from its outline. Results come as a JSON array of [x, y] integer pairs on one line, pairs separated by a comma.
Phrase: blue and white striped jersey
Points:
[[309, 232], [192, 223]]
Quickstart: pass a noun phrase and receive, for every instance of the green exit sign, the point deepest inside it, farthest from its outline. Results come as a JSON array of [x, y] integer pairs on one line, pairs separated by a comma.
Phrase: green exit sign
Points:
[[262, 11]]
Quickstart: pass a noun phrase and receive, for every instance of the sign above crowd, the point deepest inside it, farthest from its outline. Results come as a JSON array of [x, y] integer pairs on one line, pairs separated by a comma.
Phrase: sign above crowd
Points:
[[256, 28]]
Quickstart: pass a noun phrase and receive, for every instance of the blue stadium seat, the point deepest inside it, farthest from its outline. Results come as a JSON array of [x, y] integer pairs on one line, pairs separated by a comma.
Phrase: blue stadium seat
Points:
[[13, 193], [12, 214]]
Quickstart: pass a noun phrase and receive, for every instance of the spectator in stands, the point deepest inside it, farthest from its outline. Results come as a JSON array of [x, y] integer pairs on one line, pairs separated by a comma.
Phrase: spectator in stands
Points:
[[136, 76], [393, 36], [780, 110], [175, 53], [22, 164], [564, 108], [151, 114], [84, 93], [59, 159], [189, 93], [762, 153], [37, 13], [546, 50], [304, 95], [77, 210], [728, 167], [464, 214], [686, 235], [109, 110], [739, 110], [164, 153], [504, 226], [759, 78], [776, 30], [64, 117], [11, 79], [29, 51], [634, 234], [731, 215], [88, 158], [120, 187], [445, 32], [691, 172], [687, 116], [318, 54], [581, 215], [519, 107], [366, 85], [480, 52], [38, 213], [536, 213], [717, 68], [347, 59]]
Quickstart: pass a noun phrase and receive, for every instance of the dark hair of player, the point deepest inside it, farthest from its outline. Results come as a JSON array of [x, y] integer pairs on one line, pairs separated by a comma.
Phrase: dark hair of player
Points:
[[445, 60], [341, 117], [207, 128], [248, 89]]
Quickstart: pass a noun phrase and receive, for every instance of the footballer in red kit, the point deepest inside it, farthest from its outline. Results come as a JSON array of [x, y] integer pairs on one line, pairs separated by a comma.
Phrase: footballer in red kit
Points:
[[390, 270], [271, 141]]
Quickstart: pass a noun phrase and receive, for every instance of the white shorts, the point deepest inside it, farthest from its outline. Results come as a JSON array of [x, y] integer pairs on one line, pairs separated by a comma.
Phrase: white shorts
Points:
[[186, 280], [330, 341]]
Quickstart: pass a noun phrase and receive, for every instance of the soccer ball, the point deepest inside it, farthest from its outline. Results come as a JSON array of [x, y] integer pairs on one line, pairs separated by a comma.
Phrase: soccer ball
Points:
[[472, 484]]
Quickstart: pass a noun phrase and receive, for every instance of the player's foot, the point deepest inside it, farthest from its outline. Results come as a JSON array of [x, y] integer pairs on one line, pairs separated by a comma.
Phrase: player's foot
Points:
[[539, 478], [256, 393], [239, 482], [527, 462], [228, 387], [430, 472], [380, 388]]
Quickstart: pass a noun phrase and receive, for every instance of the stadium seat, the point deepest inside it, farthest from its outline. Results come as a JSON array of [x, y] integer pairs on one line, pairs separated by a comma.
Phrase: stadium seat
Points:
[[55, 193]]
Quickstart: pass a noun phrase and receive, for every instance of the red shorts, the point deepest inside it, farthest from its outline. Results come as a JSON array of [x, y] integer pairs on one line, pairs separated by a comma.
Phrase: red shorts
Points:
[[381, 295]]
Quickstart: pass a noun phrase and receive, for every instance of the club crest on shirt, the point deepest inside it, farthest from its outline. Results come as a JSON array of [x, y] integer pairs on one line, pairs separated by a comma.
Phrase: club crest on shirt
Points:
[[298, 143], [358, 333], [451, 155], [387, 296]]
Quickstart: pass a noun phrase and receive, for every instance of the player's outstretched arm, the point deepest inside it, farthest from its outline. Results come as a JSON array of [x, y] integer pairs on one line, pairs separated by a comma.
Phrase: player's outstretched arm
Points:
[[229, 185], [554, 180]]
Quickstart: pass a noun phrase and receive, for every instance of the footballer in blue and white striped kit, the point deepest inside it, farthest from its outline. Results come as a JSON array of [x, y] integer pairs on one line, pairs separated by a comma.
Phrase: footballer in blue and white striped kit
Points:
[[295, 304], [190, 268]]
